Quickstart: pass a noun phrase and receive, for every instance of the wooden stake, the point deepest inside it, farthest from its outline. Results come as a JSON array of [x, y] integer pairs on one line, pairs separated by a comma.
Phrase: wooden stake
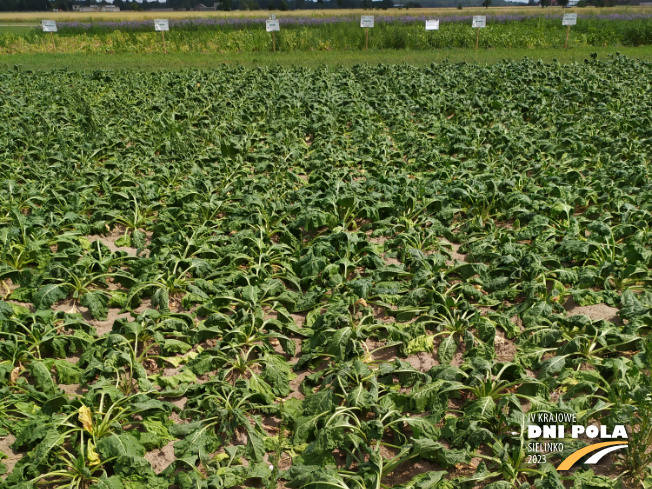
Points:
[[273, 41], [366, 38], [165, 49], [54, 46], [477, 39], [567, 33]]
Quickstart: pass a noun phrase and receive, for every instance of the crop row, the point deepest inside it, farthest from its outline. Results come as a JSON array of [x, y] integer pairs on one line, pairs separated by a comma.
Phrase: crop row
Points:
[[333, 34]]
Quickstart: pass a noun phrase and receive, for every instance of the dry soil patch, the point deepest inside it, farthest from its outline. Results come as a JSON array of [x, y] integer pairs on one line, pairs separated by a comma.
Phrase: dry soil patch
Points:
[[505, 349], [13, 457], [110, 239], [407, 471], [595, 312], [161, 458], [423, 360], [455, 255]]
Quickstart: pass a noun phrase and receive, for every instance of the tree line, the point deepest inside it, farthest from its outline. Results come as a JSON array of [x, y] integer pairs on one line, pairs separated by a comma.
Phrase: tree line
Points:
[[67, 5]]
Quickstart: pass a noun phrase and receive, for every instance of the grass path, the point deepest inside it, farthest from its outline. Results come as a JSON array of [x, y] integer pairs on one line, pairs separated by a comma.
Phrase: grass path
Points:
[[150, 62]]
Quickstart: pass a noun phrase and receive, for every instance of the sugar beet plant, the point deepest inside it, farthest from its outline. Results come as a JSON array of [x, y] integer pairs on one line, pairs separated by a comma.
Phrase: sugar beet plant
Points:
[[318, 278]]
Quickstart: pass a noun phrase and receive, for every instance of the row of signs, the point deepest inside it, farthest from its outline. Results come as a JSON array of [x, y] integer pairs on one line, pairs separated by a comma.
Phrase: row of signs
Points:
[[367, 21]]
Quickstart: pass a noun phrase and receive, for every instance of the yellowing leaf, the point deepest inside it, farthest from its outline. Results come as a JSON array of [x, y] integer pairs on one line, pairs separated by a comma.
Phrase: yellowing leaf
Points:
[[13, 377], [220, 456], [91, 455], [86, 418], [5, 288]]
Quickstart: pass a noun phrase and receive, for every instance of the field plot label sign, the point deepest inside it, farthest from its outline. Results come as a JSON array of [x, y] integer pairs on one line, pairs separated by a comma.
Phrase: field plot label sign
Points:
[[272, 25], [366, 21], [162, 25], [568, 20], [432, 25], [50, 26], [479, 21]]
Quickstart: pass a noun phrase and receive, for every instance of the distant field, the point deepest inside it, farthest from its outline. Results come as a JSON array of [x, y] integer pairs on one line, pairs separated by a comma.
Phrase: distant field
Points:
[[8, 17]]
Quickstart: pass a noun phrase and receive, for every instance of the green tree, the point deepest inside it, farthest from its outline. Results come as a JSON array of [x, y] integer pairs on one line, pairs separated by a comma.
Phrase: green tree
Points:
[[283, 5]]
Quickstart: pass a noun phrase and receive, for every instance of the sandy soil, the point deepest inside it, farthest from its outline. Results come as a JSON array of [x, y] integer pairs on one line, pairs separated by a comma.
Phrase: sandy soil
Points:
[[390, 260], [101, 327], [72, 390], [117, 233], [380, 240], [505, 349], [299, 319], [13, 457], [595, 312], [518, 322], [295, 383], [379, 351], [408, 470], [422, 361], [455, 255], [161, 458]]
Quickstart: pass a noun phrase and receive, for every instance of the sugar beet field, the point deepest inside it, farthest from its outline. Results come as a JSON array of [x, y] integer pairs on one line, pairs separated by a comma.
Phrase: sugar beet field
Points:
[[363, 277]]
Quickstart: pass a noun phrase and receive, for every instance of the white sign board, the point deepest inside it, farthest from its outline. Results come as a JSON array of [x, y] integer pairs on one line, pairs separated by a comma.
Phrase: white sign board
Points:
[[432, 25], [49, 26], [569, 19], [161, 25], [367, 21], [479, 21], [272, 25]]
